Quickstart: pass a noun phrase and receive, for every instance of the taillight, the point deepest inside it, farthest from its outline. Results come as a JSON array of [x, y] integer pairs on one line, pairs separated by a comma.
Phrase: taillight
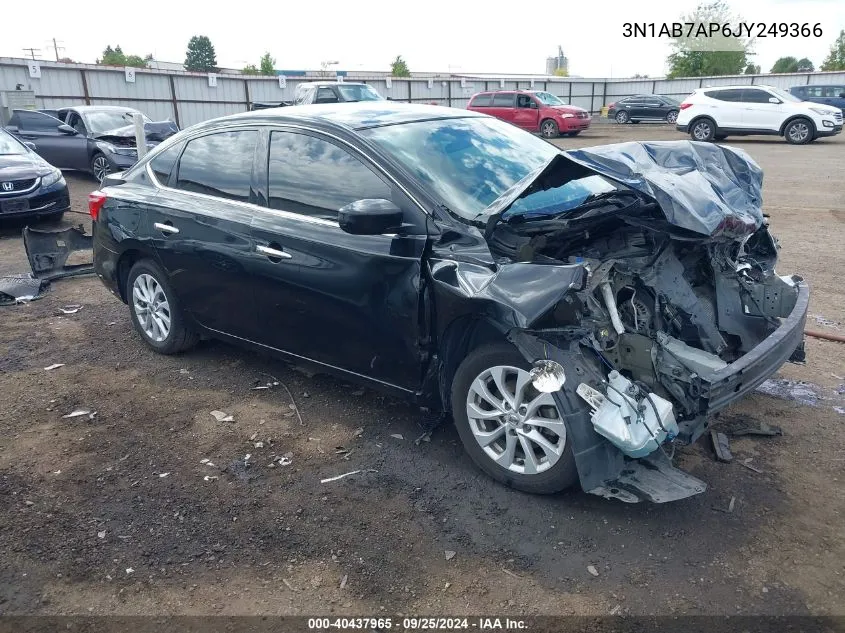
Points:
[[610, 105], [685, 105], [96, 200]]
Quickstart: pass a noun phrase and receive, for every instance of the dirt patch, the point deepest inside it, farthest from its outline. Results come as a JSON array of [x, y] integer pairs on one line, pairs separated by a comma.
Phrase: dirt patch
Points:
[[121, 514]]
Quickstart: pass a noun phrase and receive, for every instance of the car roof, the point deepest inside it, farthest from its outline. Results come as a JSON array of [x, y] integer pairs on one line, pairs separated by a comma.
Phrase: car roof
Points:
[[97, 108], [354, 116], [332, 83], [763, 86]]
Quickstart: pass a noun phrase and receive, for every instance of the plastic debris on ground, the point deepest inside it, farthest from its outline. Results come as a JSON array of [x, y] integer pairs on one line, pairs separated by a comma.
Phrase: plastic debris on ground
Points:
[[70, 309], [450, 554], [222, 416], [801, 392], [593, 571], [354, 472], [721, 446], [54, 366], [78, 413], [747, 463], [343, 581], [16, 289], [101, 534], [763, 430], [398, 436], [163, 475]]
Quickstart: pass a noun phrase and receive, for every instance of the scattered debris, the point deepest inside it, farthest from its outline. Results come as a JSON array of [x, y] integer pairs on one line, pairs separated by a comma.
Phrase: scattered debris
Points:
[[78, 413], [449, 554], [70, 309], [343, 580], [57, 472], [358, 432], [221, 416], [398, 436], [446, 586], [722, 446], [16, 289], [839, 410], [183, 371], [101, 534], [616, 610], [210, 477], [29, 503], [358, 392], [765, 430], [54, 366], [282, 460], [801, 392], [510, 573], [820, 320], [747, 464], [259, 445], [293, 404], [425, 437], [731, 504], [207, 462], [246, 457], [354, 472], [163, 475], [129, 570], [593, 571], [288, 585]]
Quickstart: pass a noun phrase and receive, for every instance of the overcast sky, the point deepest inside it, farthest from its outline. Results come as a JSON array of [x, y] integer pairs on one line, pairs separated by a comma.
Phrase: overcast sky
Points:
[[456, 36]]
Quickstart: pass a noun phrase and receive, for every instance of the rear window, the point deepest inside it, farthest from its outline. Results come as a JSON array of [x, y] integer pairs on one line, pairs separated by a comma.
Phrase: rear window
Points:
[[503, 100], [219, 165], [163, 164], [482, 101]]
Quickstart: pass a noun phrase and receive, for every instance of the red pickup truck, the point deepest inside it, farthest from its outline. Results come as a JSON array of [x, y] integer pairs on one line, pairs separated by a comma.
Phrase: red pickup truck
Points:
[[533, 110]]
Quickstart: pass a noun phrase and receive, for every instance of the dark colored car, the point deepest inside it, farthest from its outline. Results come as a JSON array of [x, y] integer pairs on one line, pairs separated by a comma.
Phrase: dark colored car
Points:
[[334, 92], [644, 108], [95, 139], [29, 186], [573, 312], [535, 111], [833, 95]]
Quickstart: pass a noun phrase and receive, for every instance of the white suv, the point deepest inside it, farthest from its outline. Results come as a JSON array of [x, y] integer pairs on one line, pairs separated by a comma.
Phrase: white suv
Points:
[[714, 113]]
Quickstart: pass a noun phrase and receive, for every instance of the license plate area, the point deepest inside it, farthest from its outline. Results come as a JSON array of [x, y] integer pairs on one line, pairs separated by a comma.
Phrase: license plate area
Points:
[[14, 206]]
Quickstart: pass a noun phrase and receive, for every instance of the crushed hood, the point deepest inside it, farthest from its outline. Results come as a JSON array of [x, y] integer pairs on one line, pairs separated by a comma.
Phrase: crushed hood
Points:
[[155, 132], [708, 189]]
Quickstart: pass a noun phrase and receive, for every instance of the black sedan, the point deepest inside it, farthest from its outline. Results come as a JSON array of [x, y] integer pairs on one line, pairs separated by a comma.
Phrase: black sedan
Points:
[[29, 186], [554, 304], [644, 108], [95, 139]]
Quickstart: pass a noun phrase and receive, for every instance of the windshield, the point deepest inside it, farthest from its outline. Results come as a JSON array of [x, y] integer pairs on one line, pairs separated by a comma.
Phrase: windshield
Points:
[[9, 146], [100, 121], [558, 200], [784, 96], [359, 93], [466, 163], [549, 99]]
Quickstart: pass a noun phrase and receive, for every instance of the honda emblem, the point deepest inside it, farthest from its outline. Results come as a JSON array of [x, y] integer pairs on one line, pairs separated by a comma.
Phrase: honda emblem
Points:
[[8, 186]]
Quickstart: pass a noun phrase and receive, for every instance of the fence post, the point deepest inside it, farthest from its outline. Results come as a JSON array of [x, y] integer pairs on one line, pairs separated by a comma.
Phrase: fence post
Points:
[[592, 94], [449, 92], [140, 135], [653, 86], [808, 81], [410, 94], [173, 101], [246, 93], [604, 94], [569, 98], [85, 86]]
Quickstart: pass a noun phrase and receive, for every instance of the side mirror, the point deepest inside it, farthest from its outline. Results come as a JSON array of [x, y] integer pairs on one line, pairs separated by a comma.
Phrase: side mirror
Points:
[[842, 95], [774, 100], [30, 145], [370, 217], [64, 128]]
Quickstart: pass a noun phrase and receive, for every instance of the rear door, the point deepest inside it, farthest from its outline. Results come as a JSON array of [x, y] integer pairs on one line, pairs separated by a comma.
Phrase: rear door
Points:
[[52, 145], [527, 112], [200, 228], [349, 301], [758, 113], [725, 108], [503, 106]]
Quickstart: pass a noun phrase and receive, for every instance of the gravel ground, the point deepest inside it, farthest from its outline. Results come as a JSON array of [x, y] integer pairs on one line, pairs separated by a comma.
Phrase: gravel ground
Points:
[[119, 514]]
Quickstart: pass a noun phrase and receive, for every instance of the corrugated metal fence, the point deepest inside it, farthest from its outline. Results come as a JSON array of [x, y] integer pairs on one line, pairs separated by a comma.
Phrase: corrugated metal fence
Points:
[[187, 98]]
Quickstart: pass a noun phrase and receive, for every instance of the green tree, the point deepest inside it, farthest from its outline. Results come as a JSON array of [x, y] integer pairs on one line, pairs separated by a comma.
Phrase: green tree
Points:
[[805, 66], [836, 59], [399, 68], [561, 72], [116, 57], [267, 65], [200, 56], [250, 69], [751, 69], [707, 56], [785, 65]]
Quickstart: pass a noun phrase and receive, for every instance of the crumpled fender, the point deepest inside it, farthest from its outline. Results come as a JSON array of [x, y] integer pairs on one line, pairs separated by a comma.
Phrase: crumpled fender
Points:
[[514, 295]]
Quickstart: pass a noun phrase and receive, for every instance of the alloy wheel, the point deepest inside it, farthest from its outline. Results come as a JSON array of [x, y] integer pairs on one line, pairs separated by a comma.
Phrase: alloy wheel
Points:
[[799, 131], [101, 167], [622, 117], [151, 307], [549, 129], [701, 131], [671, 117], [515, 425]]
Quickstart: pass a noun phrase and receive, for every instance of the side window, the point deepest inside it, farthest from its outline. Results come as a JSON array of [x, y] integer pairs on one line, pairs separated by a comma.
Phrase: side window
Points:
[[809, 91], [503, 100], [725, 95], [75, 121], [754, 95], [218, 165], [163, 164], [313, 177], [482, 101], [325, 95], [31, 120], [524, 101]]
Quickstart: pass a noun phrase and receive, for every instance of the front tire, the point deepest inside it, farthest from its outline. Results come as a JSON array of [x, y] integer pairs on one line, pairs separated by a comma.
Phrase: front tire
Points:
[[155, 310], [99, 166], [549, 129], [511, 431], [622, 117], [703, 130], [799, 131]]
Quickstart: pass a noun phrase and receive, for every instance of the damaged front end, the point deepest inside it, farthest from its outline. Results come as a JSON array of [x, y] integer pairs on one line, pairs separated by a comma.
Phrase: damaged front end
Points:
[[646, 272]]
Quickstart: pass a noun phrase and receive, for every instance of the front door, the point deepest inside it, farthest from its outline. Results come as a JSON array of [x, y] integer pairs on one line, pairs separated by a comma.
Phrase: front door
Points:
[[527, 112], [758, 113], [56, 147], [349, 301], [201, 229]]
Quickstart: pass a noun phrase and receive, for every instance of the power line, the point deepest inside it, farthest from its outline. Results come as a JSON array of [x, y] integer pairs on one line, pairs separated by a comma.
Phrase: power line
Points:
[[32, 51]]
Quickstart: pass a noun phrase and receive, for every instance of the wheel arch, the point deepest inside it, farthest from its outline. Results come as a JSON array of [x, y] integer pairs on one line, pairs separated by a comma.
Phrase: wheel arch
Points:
[[794, 117], [127, 259]]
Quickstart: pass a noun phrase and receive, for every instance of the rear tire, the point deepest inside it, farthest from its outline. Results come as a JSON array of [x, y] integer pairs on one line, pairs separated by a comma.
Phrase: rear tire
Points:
[[513, 425], [549, 129], [155, 310], [799, 131], [702, 129], [672, 116]]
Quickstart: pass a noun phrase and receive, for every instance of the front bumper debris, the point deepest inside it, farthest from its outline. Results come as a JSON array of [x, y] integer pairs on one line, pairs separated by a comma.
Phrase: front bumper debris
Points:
[[48, 252]]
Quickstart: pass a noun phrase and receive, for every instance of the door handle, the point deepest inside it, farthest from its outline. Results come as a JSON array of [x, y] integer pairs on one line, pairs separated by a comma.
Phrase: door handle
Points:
[[273, 252], [165, 228]]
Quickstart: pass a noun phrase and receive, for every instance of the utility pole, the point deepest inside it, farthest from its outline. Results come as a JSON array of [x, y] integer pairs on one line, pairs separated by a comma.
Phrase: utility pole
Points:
[[56, 48], [32, 51]]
